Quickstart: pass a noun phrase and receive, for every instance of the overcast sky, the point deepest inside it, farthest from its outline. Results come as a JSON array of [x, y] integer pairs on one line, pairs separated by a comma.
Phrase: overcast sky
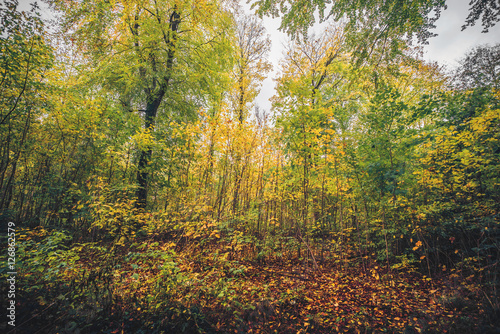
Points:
[[447, 48]]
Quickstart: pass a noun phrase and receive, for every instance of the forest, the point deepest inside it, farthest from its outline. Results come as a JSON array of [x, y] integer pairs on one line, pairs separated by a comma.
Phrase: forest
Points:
[[143, 189]]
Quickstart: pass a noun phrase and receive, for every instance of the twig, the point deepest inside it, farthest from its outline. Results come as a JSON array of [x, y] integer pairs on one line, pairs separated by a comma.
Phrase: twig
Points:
[[312, 255]]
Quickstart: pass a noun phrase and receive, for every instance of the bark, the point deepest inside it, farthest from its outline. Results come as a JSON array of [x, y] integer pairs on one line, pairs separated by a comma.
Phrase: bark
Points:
[[155, 94]]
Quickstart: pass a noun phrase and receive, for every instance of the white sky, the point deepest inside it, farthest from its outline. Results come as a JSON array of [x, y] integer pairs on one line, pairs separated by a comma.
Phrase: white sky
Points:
[[447, 48]]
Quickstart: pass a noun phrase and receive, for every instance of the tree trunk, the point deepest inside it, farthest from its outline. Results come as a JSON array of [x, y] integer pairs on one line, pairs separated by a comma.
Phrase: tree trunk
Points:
[[155, 94], [145, 155]]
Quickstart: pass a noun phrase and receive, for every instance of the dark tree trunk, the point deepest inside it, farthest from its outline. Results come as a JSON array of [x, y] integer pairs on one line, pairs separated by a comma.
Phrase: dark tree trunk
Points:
[[145, 155], [155, 94]]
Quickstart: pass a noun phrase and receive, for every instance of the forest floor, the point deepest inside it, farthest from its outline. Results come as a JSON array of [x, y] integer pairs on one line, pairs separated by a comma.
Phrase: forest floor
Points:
[[212, 287]]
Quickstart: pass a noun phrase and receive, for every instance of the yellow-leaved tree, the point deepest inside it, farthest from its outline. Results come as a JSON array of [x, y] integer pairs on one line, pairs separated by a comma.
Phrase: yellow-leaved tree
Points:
[[162, 59]]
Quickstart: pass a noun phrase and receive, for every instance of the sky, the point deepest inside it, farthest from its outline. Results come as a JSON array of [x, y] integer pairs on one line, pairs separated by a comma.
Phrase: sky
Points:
[[447, 48]]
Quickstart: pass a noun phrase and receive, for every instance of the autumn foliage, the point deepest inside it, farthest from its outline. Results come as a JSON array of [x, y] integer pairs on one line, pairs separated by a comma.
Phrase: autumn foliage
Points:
[[151, 195]]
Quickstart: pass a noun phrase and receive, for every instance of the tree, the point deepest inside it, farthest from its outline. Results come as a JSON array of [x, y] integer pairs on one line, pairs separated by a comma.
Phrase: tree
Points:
[[371, 24], [25, 59], [403, 16], [149, 51], [457, 172], [369, 21], [480, 67], [313, 76], [487, 10], [251, 65]]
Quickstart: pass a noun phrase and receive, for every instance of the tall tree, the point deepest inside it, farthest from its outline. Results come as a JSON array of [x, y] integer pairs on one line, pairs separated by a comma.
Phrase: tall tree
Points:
[[147, 51], [312, 70], [252, 46], [251, 64], [25, 58]]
